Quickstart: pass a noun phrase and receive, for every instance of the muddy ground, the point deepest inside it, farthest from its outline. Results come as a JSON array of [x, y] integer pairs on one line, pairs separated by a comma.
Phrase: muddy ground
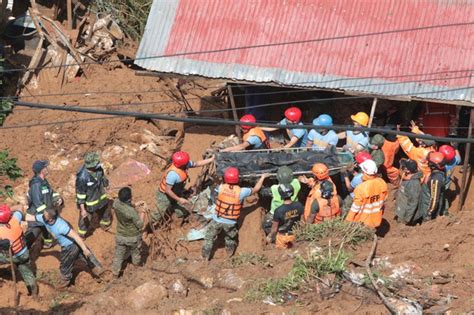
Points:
[[443, 246]]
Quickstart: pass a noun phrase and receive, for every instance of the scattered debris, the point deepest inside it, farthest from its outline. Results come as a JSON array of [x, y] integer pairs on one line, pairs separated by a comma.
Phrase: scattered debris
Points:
[[128, 173]]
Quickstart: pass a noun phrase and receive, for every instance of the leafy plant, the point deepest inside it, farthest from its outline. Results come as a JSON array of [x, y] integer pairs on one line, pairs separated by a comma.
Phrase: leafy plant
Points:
[[8, 166], [305, 270], [349, 233], [131, 15], [5, 109]]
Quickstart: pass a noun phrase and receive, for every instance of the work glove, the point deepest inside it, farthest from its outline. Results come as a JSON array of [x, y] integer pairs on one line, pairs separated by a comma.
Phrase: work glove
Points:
[[4, 244]]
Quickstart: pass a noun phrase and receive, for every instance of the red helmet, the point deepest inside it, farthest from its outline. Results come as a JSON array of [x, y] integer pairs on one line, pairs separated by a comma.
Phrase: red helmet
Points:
[[436, 159], [249, 118], [180, 159], [362, 157], [448, 151], [231, 175], [5, 214], [293, 114]]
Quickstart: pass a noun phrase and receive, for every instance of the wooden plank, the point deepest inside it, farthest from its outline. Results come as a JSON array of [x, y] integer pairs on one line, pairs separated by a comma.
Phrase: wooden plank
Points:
[[69, 14], [465, 168], [372, 112], [234, 111]]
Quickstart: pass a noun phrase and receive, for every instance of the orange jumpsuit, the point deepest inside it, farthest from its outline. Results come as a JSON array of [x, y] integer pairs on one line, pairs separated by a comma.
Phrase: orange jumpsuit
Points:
[[390, 149], [369, 198], [418, 154]]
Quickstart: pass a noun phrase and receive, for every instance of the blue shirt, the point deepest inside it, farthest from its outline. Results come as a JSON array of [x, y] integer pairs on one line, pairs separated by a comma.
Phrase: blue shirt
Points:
[[316, 138], [244, 193], [172, 178], [354, 139], [19, 217], [300, 133], [450, 169], [356, 180], [255, 142], [59, 229]]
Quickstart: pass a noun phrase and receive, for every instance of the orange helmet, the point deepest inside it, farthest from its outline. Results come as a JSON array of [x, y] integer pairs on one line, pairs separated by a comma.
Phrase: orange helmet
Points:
[[320, 171]]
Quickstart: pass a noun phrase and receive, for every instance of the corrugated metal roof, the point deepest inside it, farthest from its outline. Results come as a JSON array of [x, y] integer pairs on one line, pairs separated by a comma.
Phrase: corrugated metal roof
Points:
[[415, 48]]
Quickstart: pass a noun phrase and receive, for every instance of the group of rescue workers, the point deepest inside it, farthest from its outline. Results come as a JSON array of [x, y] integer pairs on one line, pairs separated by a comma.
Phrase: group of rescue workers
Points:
[[422, 180]]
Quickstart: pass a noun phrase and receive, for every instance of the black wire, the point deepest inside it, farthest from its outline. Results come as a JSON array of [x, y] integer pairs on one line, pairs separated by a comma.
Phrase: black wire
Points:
[[223, 122], [58, 122], [253, 46]]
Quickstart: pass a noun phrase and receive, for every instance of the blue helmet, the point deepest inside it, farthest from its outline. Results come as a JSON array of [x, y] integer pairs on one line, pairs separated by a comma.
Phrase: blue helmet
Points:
[[323, 120]]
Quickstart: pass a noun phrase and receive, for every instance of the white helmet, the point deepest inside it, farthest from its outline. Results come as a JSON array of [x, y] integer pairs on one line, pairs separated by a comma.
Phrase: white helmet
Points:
[[369, 167]]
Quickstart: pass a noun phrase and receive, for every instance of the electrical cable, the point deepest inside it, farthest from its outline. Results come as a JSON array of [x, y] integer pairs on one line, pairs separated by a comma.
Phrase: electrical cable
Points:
[[223, 122]]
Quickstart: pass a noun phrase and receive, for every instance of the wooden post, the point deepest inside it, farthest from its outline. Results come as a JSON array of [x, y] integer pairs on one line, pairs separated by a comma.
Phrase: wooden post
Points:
[[467, 155], [234, 111], [69, 14], [372, 112]]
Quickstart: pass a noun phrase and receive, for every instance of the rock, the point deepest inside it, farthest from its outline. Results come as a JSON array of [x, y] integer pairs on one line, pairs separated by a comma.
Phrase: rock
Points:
[[147, 295], [112, 152], [57, 162], [229, 280], [234, 300], [178, 287], [106, 299], [128, 173], [50, 136], [405, 306], [446, 247], [204, 276]]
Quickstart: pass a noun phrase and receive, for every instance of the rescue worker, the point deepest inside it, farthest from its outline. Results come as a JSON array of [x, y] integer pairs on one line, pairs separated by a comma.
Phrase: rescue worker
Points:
[[253, 137], [375, 146], [325, 204], [352, 183], [408, 195], [390, 148], [284, 177], [322, 137], [369, 197], [229, 201], [453, 158], [320, 172], [356, 140], [72, 246], [91, 195], [418, 154], [171, 193], [40, 197], [128, 238], [432, 193], [298, 136], [285, 218], [12, 238]]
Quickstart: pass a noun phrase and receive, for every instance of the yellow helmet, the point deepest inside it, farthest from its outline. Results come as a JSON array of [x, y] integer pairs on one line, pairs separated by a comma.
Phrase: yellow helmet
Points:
[[361, 118]]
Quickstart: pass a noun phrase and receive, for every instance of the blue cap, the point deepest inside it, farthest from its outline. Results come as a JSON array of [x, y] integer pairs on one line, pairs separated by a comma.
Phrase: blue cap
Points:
[[39, 165]]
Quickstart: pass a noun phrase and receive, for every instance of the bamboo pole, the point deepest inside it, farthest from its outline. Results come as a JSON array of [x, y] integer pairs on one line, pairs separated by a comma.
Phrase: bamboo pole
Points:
[[467, 155], [372, 111], [69, 14], [234, 111]]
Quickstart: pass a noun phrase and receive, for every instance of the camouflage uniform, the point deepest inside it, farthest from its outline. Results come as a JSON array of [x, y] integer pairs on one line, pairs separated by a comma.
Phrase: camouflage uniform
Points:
[[164, 204], [24, 267], [212, 232]]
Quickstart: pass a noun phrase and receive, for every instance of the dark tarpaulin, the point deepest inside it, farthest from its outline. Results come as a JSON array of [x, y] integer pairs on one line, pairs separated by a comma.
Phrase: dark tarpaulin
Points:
[[251, 162]]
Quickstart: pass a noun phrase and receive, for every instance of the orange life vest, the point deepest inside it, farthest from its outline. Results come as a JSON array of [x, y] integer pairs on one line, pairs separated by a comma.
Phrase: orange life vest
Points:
[[327, 209], [183, 175], [13, 232], [228, 203], [260, 134], [314, 194], [369, 199]]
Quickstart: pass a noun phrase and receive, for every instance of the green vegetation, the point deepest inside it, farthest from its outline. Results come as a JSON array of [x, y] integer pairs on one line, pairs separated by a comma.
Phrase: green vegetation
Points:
[[349, 233], [249, 259], [8, 170], [305, 270], [5, 109], [130, 15]]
